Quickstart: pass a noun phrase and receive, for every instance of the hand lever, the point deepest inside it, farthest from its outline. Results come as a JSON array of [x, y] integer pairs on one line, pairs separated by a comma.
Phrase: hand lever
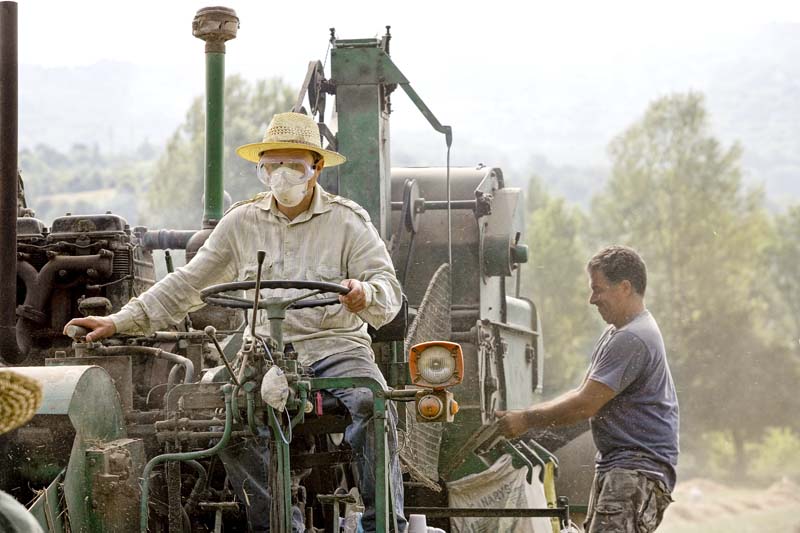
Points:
[[74, 332], [212, 334]]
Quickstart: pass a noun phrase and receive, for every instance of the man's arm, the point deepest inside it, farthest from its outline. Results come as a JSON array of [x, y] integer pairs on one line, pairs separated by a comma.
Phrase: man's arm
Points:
[[567, 409], [376, 294], [178, 293]]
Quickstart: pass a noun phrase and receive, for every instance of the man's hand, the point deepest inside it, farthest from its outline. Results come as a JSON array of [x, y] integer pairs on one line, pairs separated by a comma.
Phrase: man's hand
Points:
[[355, 300], [99, 327], [512, 423]]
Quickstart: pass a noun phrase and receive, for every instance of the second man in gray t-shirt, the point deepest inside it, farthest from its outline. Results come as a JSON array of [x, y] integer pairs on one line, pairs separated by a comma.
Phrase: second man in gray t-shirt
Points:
[[630, 401]]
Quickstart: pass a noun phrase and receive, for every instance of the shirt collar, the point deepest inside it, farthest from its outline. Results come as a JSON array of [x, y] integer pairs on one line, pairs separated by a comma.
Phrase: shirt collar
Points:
[[320, 203]]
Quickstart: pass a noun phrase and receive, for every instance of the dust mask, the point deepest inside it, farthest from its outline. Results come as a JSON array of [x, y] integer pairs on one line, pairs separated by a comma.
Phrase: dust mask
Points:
[[287, 176], [275, 388], [287, 191]]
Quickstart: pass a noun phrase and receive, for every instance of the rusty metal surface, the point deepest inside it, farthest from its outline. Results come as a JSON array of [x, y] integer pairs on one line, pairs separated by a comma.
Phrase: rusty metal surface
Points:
[[8, 180], [430, 224], [113, 470], [197, 395], [215, 25]]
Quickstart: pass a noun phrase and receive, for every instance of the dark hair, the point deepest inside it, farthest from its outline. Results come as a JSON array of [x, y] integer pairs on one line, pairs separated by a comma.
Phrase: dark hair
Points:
[[618, 263]]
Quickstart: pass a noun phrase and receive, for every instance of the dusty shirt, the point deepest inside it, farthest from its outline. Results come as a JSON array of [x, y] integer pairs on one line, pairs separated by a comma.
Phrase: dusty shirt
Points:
[[638, 428], [331, 241]]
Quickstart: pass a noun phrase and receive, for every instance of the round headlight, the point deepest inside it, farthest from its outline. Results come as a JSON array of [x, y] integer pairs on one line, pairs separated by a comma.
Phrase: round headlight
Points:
[[436, 364], [430, 407]]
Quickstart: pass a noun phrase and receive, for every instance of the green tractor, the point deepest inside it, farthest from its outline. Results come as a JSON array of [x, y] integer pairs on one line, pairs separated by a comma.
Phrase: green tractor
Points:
[[129, 430]]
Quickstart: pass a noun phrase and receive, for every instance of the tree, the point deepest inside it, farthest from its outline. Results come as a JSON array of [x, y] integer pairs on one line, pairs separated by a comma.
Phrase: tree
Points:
[[175, 194], [784, 272], [556, 279], [83, 181], [676, 195]]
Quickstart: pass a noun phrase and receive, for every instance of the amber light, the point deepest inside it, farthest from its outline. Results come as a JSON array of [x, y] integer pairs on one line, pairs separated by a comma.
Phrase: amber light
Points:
[[430, 407], [436, 364]]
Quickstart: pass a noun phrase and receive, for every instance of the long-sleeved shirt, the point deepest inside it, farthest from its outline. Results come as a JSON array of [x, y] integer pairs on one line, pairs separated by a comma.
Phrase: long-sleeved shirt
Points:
[[331, 241]]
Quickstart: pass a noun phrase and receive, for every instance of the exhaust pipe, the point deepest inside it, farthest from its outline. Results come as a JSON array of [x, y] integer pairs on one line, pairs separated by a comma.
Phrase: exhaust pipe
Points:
[[9, 351], [215, 26]]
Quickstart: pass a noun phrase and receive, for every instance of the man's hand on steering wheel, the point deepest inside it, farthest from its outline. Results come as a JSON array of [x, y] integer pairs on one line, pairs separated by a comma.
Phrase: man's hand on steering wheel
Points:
[[355, 300]]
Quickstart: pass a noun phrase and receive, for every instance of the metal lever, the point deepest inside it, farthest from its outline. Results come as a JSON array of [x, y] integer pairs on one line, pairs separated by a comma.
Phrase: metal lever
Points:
[[245, 358], [75, 332], [211, 331], [261, 256]]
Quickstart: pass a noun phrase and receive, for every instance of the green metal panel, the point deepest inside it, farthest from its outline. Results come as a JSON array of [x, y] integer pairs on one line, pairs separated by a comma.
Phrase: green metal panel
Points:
[[363, 62], [49, 507], [361, 138], [364, 76], [360, 69], [86, 394]]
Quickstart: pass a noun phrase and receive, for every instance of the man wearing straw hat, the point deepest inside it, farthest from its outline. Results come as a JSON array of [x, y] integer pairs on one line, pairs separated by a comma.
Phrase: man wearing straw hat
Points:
[[308, 234]]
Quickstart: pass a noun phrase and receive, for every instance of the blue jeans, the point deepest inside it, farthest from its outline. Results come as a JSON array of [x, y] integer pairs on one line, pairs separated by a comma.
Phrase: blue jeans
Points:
[[247, 463]]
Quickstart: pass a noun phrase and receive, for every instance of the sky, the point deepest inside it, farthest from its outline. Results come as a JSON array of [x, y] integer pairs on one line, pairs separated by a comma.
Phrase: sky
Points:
[[273, 35], [486, 68]]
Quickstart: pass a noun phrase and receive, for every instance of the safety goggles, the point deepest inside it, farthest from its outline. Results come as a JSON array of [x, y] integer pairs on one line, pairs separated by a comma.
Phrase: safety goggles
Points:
[[300, 169]]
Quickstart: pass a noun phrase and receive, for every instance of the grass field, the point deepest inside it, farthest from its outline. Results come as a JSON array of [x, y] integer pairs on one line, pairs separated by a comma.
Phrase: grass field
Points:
[[702, 506]]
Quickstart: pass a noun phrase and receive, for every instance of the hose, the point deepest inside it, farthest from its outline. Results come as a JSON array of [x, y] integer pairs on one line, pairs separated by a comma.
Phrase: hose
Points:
[[186, 363], [228, 391], [197, 490]]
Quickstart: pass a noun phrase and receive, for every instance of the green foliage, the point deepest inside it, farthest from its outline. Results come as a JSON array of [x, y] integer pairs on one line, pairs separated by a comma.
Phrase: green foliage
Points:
[[83, 180], [556, 280], [776, 455], [175, 195], [772, 455], [720, 453], [676, 195], [784, 256]]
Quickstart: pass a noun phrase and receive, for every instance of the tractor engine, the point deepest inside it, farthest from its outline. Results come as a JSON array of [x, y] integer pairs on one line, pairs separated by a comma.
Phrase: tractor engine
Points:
[[84, 265]]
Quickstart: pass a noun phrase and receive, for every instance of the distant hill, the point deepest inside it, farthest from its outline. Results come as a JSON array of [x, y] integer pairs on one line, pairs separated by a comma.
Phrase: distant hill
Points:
[[556, 123], [116, 106]]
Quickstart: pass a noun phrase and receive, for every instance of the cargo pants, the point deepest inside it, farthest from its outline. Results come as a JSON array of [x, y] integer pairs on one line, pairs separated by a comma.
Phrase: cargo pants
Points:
[[625, 501]]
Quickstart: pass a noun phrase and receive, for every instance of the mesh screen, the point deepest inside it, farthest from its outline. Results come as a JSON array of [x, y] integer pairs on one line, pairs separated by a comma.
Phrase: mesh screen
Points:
[[431, 323]]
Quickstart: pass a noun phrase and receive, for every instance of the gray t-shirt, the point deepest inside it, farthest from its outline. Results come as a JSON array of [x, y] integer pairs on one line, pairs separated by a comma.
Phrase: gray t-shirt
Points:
[[638, 428]]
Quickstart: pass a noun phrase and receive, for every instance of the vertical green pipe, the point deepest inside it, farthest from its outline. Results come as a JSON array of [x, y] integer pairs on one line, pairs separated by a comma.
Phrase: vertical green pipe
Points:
[[381, 468], [275, 331], [282, 500], [381, 492], [215, 137]]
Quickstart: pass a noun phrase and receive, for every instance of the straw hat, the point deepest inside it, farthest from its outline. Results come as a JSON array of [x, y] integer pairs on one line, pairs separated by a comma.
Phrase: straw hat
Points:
[[20, 396], [287, 131]]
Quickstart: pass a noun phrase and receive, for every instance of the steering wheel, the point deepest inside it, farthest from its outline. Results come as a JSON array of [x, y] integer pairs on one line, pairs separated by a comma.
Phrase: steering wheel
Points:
[[214, 294]]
